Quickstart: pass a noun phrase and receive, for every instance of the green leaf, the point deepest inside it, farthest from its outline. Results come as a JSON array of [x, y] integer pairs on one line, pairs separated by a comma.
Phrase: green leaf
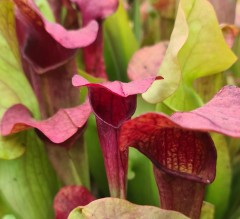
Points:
[[9, 216], [143, 106], [207, 211], [14, 87], [12, 147], [221, 187], [206, 88], [170, 69], [162, 107], [44, 7], [120, 44], [205, 52], [197, 48], [236, 214], [7, 31], [137, 20], [142, 188], [29, 178], [119, 208], [218, 193], [5, 209], [234, 204], [184, 99]]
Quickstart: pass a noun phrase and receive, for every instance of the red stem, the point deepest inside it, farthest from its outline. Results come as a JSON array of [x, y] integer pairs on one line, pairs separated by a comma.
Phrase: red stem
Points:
[[93, 56], [179, 194], [115, 161]]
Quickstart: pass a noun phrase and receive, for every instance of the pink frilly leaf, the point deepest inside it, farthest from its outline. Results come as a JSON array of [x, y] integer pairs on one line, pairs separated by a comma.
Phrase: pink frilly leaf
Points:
[[58, 128], [48, 45], [114, 102], [221, 114], [146, 61], [70, 197]]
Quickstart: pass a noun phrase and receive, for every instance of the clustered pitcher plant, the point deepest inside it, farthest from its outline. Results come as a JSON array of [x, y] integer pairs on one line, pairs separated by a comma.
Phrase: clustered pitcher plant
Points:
[[84, 84]]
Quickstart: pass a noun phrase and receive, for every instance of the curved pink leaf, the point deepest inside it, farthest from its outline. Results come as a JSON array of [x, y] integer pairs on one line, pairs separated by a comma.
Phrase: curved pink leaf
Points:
[[47, 45], [181, 152], [95, 9], [221, 114], [114, 102], [118, 88], [58, 128], [70, 197], [146, 61]]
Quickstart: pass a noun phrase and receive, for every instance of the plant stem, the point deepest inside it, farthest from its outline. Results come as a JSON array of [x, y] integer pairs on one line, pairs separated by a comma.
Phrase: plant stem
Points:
[[179, 194], [70, 164], [115, 161], [93, 56]]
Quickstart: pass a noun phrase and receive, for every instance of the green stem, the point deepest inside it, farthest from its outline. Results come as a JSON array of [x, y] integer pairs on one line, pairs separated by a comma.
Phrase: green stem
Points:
[[70, 164], [79, 157]]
